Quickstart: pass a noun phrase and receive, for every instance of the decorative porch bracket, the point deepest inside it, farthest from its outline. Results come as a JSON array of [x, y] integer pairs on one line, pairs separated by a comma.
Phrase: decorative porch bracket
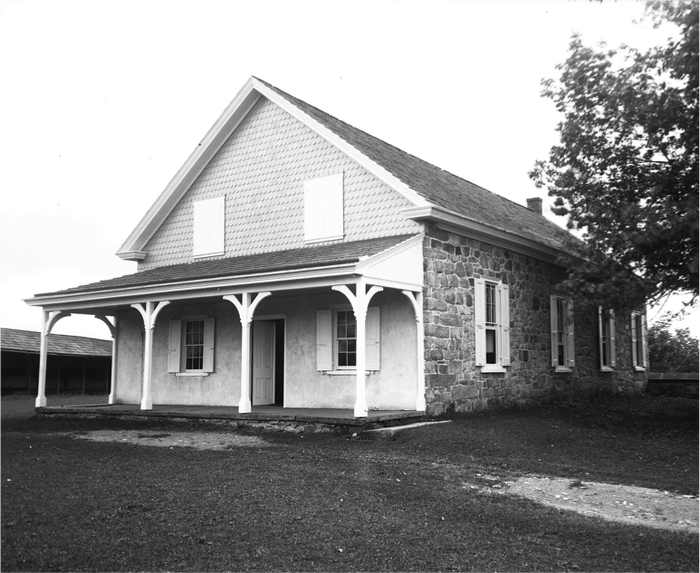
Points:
[[246, 309], [113, 374], [149, 312], [360, 303], [416, 299], [48, 321]]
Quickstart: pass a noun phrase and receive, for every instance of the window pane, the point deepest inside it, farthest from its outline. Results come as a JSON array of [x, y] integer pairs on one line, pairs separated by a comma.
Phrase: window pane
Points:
[[194, 345], [490, 347]]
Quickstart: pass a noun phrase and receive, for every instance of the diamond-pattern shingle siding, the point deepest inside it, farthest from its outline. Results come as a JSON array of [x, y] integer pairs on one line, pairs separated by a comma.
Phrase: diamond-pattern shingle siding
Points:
[[261, 170]]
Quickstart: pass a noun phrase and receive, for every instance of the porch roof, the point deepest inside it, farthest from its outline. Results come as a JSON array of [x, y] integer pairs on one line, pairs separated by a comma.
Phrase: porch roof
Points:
[[312, 257]]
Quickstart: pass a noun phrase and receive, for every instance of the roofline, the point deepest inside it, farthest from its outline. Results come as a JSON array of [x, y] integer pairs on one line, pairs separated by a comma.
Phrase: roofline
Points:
[[233, 115], [450, 221]]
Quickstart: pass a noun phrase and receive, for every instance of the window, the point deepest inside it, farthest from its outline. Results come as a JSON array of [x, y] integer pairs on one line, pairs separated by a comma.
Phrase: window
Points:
[[606, 338], [336, 340], [208, 224], [323, 208], [562, 325], [346, 337], [191, 346], [492, 325], [639, 340]]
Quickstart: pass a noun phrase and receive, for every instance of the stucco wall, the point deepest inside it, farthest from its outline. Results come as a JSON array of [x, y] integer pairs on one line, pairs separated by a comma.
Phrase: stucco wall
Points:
[[393, 387], [261, 171], [455, 383]]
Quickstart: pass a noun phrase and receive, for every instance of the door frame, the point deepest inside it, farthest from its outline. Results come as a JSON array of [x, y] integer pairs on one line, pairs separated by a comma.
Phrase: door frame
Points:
[[273, 318]]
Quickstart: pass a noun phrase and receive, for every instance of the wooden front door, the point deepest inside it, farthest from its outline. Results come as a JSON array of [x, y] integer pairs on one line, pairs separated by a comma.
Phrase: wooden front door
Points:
[[263, 362]]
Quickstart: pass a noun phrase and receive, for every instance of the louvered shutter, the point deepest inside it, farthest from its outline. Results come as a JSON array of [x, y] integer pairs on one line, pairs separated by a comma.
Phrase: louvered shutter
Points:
[[480, 322], [612, 339], [504, 323], [553, 319], [633, 333], [208, 365], [372, 333], [324, 340], [569, 326], [174, 343]]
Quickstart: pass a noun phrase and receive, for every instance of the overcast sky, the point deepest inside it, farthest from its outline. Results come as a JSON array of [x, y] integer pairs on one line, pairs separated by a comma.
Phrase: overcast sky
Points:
[[102, 101]]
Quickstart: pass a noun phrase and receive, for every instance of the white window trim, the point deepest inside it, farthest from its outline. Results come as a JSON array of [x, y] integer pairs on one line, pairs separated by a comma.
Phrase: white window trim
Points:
[[611, 342], [176, 356], [327, 343], [502, 326], [568, 325], [637, 364]]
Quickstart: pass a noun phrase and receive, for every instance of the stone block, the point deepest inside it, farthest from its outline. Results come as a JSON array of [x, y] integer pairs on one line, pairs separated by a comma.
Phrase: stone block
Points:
[[440, 380]]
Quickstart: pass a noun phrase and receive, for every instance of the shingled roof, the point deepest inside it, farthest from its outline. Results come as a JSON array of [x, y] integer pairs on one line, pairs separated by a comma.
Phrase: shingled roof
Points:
[[439, 186], [292, 259], [28, 341]]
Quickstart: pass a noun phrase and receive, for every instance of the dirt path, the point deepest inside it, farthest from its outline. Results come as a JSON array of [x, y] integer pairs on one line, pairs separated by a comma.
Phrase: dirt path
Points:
[[628, 504]]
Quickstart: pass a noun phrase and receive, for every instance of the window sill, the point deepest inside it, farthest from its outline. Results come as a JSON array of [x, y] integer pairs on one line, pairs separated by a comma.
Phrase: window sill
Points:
[[493, 368], [208, 255], [640, 369], [346, 372], [191, 374], [563, 369], [606, 369], [323, 239]]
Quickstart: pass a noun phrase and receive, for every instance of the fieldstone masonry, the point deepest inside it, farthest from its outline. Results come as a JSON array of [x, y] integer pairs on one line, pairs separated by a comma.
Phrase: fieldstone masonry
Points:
[[455, 384]]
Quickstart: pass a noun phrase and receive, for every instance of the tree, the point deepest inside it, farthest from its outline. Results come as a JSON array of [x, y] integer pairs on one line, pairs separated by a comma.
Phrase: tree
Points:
[[671, 351], [626, 169]]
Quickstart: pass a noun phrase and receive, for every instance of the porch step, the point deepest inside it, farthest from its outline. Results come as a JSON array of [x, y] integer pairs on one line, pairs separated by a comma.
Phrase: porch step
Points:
[[389, 433]]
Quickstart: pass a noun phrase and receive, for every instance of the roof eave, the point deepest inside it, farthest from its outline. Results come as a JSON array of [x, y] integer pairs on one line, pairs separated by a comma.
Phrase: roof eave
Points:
[[456, 222], [132, 249]]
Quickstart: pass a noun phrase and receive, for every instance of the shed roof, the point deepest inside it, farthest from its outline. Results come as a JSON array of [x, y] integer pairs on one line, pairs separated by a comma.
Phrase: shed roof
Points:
[[293, 259], [28, 341]]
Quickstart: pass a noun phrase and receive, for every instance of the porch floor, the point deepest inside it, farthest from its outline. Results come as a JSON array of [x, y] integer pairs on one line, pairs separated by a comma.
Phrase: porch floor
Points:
[[260, 415]]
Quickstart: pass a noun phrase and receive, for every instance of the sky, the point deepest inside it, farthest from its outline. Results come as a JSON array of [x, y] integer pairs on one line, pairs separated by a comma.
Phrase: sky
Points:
[[103, 101]]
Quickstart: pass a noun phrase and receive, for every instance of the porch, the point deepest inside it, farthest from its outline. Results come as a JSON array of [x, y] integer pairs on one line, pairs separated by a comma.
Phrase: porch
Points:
[[261, 417]]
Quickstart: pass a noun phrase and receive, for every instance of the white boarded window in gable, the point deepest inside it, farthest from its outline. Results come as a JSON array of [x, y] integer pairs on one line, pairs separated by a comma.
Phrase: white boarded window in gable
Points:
[[209, 227], [323, 208]]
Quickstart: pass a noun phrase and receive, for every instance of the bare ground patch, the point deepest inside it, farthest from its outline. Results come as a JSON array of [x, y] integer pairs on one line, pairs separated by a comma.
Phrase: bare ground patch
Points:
[[195, 440], [624, 503]]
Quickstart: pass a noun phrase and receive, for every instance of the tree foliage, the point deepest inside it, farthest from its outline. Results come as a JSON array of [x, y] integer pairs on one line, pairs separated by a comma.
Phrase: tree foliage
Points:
[[626, 169], [671, 351]]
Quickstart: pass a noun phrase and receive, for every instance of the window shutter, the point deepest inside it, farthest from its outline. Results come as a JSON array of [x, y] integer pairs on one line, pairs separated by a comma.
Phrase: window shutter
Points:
[[324, 340], [569, 326], [174, 343], [504, 323], [553, 325], [643, 359], [612, 339], [372, 333], [323, 207], [479, 322], [601, 333], [209, 226], [633, 333], [208, 345]]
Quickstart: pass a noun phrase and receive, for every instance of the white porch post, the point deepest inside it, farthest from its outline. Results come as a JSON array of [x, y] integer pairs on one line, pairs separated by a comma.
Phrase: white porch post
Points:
[[48, 320], [149, 313], [416, 299], [360, 302], [246, 309], [113, 372]]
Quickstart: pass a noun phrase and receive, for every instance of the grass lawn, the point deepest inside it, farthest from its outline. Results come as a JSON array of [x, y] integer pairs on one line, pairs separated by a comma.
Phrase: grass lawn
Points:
[[327, 503]]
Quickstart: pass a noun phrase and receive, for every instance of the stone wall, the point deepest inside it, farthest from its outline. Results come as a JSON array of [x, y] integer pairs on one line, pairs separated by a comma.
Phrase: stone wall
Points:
[[454, 383]]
